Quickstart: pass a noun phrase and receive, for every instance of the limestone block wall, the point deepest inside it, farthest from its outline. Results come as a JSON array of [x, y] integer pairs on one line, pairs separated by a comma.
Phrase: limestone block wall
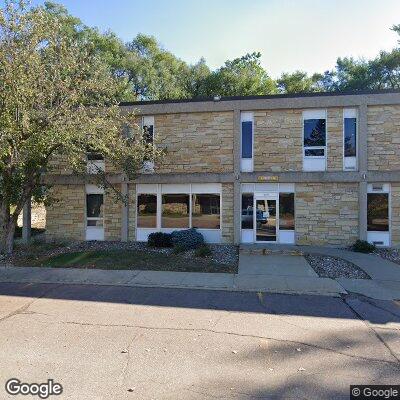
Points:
[[112, 215], [66, 216], [195, 142], [132, 212], [227, 213], [278, 140], [395, 223], [335, 139], [326, 213], [384, 138]]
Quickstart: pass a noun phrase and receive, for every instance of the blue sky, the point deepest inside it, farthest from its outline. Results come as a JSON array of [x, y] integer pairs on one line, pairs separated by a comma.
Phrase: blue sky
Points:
[[291, 34]]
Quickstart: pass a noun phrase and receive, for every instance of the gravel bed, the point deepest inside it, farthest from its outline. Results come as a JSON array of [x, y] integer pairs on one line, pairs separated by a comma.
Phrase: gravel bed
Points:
[[333, 267], [220, 253], [388, 254]]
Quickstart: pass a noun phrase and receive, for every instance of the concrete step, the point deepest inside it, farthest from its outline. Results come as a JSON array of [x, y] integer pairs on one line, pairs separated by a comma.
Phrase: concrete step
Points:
[[266, 249]]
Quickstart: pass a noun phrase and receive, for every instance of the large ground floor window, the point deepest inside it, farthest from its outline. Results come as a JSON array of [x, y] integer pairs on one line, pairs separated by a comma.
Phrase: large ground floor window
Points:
[[378, 214]]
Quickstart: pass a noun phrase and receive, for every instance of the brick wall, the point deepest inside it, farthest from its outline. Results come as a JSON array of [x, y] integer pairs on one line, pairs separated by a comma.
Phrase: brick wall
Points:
[[195, 142], [326, 213], [66, 217], [227, 213], [384, 138]]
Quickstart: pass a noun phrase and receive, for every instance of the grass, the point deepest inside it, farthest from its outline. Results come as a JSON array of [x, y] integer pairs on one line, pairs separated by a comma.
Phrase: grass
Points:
[[132, 259]]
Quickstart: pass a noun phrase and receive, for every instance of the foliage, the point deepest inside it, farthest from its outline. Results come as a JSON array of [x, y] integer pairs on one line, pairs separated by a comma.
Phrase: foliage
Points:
[[188, 239], [202, 251], [159, 239], [58, 99], [362, 246]]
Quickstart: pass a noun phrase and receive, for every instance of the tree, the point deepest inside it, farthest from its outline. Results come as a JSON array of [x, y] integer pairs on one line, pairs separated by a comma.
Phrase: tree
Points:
[[58, 99], [242, 76]]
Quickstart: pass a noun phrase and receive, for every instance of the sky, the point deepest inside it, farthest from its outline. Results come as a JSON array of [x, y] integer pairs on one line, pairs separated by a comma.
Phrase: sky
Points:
[[291, 35]]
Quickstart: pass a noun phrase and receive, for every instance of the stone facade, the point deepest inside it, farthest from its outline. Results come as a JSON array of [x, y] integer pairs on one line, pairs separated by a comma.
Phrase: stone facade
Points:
[[132, 212], [112, 215], [326, 213], [278, 140], [383, 138], [66, 216], [395, 223], [195, 142], [335, 139], [227, 213]]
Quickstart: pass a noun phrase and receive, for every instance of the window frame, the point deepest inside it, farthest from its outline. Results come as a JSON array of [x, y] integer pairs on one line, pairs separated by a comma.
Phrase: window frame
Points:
[[308, 160], [148, 120], [350, 160], [247, 164], [94, 189]]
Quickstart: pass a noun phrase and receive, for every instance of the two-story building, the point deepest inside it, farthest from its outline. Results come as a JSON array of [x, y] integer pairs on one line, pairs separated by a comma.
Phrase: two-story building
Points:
[[304, 169]]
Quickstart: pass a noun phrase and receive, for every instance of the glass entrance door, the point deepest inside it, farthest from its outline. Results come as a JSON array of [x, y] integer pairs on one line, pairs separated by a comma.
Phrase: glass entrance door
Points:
[[265, 220]]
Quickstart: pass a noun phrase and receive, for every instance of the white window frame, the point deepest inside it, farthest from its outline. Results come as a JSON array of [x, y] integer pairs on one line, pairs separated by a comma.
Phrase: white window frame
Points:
[[315, 163], [379, 238], [210, 235], [247, 164], [148, 120], [94, 232], [95, 166], [350, 163]]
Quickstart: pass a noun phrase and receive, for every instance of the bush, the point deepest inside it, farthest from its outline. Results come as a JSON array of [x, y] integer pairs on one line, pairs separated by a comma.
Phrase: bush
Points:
[[178, 248], [159, 239], [202, 251], [362, 246], [189, 239]]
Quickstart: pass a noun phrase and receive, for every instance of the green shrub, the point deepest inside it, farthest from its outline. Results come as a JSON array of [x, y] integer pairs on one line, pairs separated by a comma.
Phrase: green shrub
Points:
[[159, 239], [179, 248], [202, 251], [190, 239], [362, 246]]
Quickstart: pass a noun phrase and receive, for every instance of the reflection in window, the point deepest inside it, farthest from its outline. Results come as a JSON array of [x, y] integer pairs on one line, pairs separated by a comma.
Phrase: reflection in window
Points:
[[314, 152], [94, 209], [286, 211], [247, 139], [148, 135], [350, 137], [378, 212], [147, 211], [175, 211], [314, 132], [247, 211], [206, 211]]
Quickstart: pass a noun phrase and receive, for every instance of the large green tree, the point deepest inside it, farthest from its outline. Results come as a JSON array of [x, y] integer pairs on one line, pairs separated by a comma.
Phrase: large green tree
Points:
[[58, 98]]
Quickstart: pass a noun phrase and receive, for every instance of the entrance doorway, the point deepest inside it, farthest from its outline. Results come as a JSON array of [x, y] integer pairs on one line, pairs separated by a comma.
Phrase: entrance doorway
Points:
[[266, 217]]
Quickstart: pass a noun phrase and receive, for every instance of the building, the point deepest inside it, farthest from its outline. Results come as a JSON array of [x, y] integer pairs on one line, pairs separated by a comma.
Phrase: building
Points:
[[306, 169]]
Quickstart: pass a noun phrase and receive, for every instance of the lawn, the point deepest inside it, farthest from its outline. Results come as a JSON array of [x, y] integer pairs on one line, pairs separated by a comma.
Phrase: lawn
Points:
[[131, 260]]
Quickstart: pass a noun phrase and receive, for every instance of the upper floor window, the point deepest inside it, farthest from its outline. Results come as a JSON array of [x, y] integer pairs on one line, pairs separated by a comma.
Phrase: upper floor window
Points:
[[350, 139], [246, 163], [95, 162], [148, 136], [314, 140]]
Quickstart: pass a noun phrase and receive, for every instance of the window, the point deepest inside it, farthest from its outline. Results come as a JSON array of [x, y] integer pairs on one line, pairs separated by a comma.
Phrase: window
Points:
[[378, 212], [175, 211], [147, 211], [247, 210], [95, 162], [286, 211], [206, 211], [247, 141], [94, 209], [350, 139], [314, 140]]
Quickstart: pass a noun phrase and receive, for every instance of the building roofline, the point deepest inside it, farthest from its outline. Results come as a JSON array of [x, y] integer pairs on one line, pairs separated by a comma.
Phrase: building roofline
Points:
[[263, 97]]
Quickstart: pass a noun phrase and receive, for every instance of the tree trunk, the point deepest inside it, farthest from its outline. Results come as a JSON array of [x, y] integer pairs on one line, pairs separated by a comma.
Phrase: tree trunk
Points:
[[7, 229]]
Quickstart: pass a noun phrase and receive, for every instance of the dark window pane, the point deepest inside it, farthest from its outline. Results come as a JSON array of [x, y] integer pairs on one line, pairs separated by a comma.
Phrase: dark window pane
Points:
[[247, 139], [286, 211], [175, 211], [148, 134], [94, 156], [314, 152], [247, 211], [147, 211], [94, 205], [314, 132], [350, 137], [206, 211], [378, 211], [95, 222]]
